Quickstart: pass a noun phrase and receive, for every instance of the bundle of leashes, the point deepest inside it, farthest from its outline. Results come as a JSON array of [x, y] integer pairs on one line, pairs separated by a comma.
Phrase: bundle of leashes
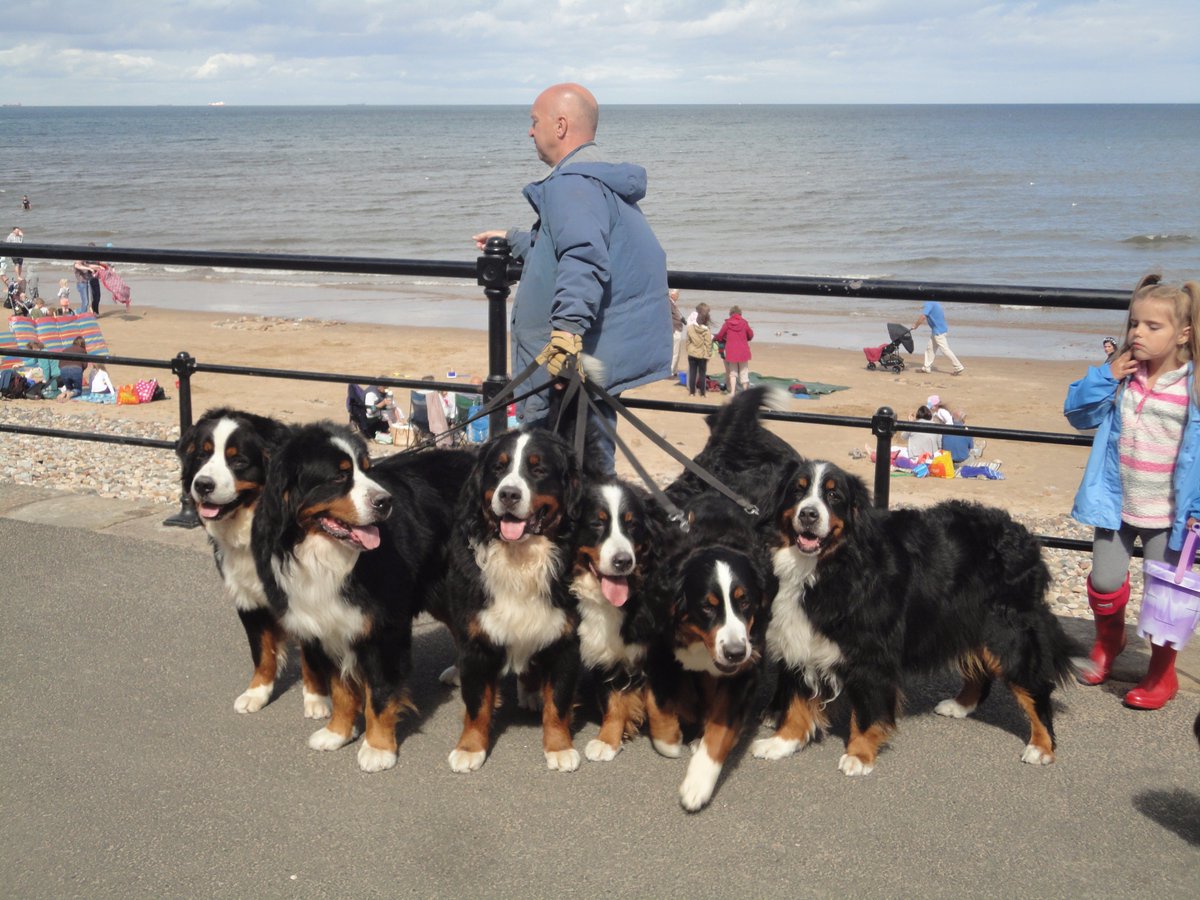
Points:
[[585, 395]]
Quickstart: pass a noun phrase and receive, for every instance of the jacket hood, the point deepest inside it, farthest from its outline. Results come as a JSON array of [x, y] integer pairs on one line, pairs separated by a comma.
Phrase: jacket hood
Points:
[[626, 180]]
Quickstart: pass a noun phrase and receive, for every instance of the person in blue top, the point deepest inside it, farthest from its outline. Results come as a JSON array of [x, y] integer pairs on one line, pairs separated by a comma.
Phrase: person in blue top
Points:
[[594, 277], [938, 342]]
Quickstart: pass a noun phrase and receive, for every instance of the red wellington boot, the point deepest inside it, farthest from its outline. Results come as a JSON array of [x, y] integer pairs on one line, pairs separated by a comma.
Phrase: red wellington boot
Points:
[[1160, 683], [1109, 612]]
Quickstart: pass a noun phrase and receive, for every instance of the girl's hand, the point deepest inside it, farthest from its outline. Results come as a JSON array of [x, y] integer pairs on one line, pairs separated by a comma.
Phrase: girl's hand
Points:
[[1123, 366]]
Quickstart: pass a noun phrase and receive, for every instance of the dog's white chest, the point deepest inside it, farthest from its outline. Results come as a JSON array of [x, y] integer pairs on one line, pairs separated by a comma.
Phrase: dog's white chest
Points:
[[518, 615], [317, 606], [242, 584], [791, 637], [600, 643]]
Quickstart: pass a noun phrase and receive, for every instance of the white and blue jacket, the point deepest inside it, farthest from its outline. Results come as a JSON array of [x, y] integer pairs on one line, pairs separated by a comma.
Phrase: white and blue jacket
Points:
[[1095, 402]]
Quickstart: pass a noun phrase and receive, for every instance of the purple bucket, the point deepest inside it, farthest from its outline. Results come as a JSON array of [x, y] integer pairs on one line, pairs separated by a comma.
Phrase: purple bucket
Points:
[[1171, 598]]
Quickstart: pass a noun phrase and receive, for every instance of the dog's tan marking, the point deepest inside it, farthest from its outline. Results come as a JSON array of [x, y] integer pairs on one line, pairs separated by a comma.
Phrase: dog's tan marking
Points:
[[269, 642], [556, 729], [664, 722], [347, 700], [801, 720], [624, 715], [476, 733], [381, 726], [1039, 736], [864, 745]]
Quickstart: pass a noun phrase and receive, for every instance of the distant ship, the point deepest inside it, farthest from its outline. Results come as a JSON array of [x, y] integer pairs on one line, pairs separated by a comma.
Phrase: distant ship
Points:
[[217, 103]]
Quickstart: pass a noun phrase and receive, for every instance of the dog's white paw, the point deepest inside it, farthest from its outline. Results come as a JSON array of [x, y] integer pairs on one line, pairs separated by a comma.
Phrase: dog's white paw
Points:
[[562, 760], [852, 765], [372, 760], [697, 788], [317, 706], [253, 699], [598, 751], [1036, 757], [324, 739], [952, 709], [463, 761], [671, 751], [449, 676], [775, 748]]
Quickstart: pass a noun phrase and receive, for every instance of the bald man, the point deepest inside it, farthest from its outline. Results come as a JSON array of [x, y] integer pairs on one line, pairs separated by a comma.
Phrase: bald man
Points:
[[594, 276]]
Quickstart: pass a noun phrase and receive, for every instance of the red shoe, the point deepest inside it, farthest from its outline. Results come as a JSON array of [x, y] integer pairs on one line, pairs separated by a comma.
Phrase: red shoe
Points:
[[1109, 612], [1160, 683]]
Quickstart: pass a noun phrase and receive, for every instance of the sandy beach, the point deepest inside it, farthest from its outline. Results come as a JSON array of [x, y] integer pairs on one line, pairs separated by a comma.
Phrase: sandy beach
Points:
[[1025, 394]]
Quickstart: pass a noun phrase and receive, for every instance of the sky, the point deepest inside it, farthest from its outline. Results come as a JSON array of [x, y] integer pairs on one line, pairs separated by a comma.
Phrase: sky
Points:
[[240, 52]]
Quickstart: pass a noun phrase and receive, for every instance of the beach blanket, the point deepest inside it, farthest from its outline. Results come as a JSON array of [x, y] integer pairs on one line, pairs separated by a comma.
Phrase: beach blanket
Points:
[[792, 385], [116, 285], [55, 332]]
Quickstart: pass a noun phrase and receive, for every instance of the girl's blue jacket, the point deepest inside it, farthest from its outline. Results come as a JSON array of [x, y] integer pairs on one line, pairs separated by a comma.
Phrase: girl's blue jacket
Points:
[[1095, 402]]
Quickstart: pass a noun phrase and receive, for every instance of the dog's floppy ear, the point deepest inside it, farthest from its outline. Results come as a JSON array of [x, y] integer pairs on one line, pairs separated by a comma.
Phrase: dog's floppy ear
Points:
[[858, 496], [469, 512]]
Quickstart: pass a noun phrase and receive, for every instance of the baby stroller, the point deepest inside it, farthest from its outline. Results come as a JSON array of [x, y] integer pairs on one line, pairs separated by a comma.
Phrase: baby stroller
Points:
[[887, 356]]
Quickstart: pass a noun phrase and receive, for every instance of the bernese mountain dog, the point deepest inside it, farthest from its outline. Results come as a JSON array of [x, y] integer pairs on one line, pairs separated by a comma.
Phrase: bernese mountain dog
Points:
[[866, 595], [717, 584], [506, 599], [223, 458], [348, 553], [616, 553]]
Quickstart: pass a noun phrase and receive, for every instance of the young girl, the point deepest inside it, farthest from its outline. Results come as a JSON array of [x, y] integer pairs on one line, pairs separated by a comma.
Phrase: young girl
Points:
[[1143, 474], [64, 295]]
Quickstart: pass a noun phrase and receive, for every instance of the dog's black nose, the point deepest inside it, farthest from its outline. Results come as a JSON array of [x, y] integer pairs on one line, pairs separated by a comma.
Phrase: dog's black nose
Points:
[[807, 516], [735, 651], [509, 496], [204, 486], [382, 504], [622, 562]]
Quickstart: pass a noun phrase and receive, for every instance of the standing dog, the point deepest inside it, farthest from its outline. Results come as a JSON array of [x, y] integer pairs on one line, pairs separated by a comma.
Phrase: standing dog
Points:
[[347, 553], [507, 600], [224, 458]]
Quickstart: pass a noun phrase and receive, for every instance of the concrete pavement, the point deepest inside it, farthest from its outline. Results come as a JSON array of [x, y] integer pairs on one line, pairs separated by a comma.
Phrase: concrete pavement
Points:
[[125, 771]]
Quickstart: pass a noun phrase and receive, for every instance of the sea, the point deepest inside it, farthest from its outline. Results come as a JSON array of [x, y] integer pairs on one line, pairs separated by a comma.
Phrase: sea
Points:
[[1086, 196]]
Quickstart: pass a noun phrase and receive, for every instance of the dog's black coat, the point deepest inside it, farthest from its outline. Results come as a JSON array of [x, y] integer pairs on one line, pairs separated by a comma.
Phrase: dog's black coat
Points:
[[348, 553]]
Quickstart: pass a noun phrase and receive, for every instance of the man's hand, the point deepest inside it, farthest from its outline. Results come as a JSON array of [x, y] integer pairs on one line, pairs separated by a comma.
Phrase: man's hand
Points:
[[481, 239], [554, 354]]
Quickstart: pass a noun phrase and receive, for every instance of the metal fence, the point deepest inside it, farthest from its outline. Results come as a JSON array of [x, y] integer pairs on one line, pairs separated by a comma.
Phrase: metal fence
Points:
[[495, 271]]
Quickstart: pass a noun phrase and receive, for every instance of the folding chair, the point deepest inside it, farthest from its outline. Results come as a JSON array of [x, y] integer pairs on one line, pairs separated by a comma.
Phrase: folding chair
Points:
[[418, 420]]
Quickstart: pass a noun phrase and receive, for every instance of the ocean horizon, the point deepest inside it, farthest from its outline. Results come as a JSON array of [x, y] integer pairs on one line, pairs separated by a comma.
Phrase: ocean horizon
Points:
[[1057, 195]]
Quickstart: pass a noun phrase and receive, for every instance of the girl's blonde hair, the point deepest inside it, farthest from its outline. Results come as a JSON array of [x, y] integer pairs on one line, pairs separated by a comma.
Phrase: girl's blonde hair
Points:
[[1184, 300], [62, 282]]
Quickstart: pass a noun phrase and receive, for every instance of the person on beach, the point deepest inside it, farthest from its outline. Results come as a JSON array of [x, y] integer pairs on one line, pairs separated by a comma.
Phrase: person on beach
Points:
[[699, 351], [932, 313], [1142, 479], [921, 445], [25, 204], [735, 335], [17, 236], [1110, 350], [71, 372], [96, 379], [678, 347], [83, 277], [940, 413], [594, 274]]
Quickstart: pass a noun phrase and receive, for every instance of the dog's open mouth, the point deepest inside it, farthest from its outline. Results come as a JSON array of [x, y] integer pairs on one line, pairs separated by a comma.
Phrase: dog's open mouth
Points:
[[214, 511], [512, 528], [615, 588], [364, 536], [807, 542]]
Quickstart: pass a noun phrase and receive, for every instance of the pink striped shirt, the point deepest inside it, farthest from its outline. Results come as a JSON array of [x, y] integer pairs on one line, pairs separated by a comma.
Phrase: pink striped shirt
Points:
[[1152, 423]]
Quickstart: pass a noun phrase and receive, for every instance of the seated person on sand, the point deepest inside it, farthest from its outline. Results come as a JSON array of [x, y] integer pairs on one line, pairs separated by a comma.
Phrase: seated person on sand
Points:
[[961, 445], [921, 444], [71, 372], [96, 380], [44, 371]]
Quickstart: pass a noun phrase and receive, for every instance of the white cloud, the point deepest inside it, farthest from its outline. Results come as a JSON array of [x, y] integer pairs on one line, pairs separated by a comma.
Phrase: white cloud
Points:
[[222, 65]]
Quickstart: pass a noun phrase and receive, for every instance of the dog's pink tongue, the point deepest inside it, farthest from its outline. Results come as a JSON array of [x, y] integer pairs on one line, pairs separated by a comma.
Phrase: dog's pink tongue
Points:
[[512, 529], [208, 510], [615, 589], [366, 536]]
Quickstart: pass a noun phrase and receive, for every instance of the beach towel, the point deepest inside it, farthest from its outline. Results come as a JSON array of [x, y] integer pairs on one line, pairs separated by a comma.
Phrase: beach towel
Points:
[[56, 332], [116, 285], [811, 388]]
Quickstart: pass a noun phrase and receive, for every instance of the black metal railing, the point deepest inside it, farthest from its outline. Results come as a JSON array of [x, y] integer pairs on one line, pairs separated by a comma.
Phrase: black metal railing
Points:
[[496, 271]]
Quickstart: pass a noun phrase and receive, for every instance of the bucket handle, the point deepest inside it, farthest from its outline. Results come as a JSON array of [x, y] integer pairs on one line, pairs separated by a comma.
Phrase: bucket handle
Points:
[[1189, 553]]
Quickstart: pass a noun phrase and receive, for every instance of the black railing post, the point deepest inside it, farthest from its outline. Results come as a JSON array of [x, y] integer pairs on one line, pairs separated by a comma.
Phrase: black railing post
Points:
[[496, 270], [183, 366], [883, 426]]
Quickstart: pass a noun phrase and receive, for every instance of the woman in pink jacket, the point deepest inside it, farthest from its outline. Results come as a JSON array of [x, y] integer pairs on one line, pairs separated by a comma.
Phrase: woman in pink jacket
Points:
[[735, 336]]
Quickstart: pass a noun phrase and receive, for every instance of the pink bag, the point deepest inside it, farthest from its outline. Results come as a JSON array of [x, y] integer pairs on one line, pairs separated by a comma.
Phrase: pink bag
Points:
[[145, 389]]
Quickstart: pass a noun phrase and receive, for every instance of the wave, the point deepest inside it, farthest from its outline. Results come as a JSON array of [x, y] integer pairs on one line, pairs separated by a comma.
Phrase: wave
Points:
[[1159, 239]]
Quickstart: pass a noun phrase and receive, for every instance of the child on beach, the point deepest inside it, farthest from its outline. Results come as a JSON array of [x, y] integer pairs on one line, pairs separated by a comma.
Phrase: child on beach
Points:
[[64, 295], [1143, 474]]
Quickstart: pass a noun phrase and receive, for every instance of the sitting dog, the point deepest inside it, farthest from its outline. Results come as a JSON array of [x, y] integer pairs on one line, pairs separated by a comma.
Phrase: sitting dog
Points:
[[717, 584], [506, 599]]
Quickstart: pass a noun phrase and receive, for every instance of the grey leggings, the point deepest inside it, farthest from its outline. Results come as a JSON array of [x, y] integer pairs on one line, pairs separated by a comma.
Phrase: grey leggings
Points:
[[1112, 550]]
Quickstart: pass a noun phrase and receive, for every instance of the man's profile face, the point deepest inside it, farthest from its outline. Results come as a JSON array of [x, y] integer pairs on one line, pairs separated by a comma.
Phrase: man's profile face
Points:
[[543, 130]]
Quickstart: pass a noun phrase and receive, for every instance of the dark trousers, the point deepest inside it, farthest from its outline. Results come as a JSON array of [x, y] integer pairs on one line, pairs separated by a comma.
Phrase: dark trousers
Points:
[[697, 375], [94, 283]]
